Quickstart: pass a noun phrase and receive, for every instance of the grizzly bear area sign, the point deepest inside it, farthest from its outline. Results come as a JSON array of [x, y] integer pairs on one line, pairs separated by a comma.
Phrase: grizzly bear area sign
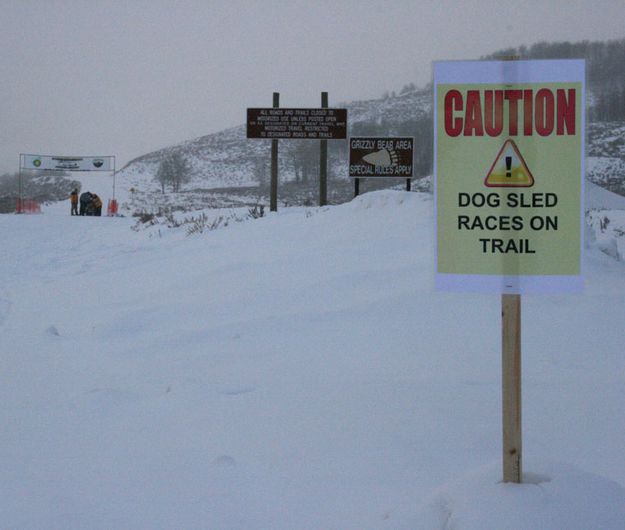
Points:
[[381, 157], [509, 168]]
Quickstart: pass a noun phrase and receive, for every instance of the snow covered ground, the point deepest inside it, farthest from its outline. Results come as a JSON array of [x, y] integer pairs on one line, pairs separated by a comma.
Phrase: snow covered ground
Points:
[[293, 372]]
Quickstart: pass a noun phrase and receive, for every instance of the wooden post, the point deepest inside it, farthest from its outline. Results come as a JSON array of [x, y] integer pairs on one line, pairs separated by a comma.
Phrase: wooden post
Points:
[[114, 176], [356, 186], [511, 386], [323, 161], [408, 182], [511, 379], [273, 201], [20, 201]]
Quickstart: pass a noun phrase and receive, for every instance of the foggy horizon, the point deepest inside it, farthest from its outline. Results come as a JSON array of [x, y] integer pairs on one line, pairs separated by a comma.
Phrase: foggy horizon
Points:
[[125, 79]]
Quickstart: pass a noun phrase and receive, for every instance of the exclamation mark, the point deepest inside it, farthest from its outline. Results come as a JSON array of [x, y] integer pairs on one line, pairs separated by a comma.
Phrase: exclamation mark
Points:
[[508, 166]]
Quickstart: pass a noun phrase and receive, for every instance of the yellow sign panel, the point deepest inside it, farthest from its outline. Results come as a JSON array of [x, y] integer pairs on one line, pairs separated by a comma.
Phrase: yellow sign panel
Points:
[[509, 169], [509, 161]]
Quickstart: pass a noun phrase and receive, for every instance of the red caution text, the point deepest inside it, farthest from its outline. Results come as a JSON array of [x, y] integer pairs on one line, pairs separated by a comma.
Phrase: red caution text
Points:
[[484, 112]]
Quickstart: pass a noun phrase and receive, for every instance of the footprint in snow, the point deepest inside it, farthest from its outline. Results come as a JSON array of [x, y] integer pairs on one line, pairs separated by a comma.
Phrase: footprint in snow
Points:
[[235, 390], [51, 330], [224, 461]]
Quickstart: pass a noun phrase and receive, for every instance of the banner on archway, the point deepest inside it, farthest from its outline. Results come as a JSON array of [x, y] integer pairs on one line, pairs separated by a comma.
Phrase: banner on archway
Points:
[[68, 163]]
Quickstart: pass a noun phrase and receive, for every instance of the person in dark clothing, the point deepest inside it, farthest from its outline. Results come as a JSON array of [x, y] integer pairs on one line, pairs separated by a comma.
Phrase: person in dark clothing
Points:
[[85, 203], [97, 204]]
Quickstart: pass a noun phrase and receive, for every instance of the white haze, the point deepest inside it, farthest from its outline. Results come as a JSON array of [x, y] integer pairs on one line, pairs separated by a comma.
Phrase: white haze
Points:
[[124, 78]]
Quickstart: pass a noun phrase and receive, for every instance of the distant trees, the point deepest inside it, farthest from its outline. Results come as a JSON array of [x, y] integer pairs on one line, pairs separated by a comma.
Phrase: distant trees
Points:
[[421, 129], [605, 64], [260, 168], [298, 162], [37, 185], [609, 105], [173, 171], [410, 87], [305, 160], [605, 59]]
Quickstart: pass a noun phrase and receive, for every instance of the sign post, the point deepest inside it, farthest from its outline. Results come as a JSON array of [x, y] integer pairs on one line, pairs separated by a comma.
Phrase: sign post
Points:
[[323, 161], [511, 340], [511, 387], [306, 124], [64, 163], [509, 164], [297, 124], [383, 157], [273, 200], [20, 198]]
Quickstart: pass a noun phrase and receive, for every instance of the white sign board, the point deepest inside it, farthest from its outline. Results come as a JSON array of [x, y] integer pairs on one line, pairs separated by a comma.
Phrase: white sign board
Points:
[[68, 163], [509, 174]]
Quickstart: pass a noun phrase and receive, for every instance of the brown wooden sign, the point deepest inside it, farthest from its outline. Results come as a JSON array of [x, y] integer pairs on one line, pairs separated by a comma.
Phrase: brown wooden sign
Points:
[[311, 124], [380, 157]]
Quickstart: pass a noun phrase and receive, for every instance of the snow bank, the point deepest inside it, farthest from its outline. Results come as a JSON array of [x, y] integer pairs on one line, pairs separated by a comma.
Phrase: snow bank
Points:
[[296, 371], [602, 169], [606, 231], [386, 200], [600, 198], [557, 496]]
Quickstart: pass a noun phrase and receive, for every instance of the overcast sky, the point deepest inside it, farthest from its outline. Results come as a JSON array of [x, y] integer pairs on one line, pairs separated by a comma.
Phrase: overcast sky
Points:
[[127, 77]]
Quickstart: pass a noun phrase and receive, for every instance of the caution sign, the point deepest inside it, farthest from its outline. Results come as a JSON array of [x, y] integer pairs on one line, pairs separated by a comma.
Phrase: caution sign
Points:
[[381, 157], [509, 159], [509, 170]]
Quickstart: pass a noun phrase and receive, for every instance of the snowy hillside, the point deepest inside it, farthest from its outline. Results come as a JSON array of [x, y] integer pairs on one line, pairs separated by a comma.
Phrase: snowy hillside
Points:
[[229, 159], [216, 161], [295, 371]]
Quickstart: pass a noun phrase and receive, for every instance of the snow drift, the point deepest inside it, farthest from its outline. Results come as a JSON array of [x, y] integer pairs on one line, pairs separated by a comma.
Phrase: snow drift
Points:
[[293, 371]]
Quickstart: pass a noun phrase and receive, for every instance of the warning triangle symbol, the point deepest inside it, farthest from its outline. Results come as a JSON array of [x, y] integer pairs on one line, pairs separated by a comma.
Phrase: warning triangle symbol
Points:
[[509, 169]]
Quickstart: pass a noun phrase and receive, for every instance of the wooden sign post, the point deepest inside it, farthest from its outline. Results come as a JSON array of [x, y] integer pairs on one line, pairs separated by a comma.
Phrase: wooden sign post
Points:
[[511, 397], [298, 124], [273, 198], [323, 160], [509, 167], [511, 386], [380, 157]]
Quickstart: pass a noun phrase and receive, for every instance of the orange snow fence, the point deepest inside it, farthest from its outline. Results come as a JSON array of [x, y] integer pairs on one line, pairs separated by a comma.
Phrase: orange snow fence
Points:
[[27, 206], [112, 208]]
